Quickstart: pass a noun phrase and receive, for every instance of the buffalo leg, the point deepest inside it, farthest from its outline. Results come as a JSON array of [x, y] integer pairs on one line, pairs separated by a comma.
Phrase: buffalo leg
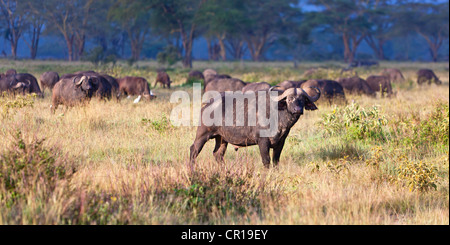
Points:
[[264, 149], [277, 152], [219, 149], [197, 146]]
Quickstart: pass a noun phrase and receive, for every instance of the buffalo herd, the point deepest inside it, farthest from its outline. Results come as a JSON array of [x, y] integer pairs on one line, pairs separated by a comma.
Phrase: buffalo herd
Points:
[[292, 99]]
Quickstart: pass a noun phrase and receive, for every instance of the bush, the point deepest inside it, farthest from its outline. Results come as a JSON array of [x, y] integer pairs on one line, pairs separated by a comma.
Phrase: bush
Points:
[[356, 122], [417, 176], [28, 168], [170, 55], [8, 104]]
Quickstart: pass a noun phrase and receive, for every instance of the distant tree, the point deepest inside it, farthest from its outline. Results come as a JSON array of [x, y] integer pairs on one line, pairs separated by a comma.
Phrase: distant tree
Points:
[[221, 19], [70, 19], [35, 24], [429, 20], [14, 22], [266, 22], [348, 19], [178, 16], [382, 22], [134, 18]]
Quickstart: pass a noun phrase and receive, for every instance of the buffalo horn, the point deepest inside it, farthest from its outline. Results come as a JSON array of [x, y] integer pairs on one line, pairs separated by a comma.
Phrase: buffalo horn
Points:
[[309, 90]]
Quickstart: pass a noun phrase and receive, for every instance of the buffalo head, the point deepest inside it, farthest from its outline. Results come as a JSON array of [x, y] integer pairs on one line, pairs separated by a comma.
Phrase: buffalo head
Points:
[[294, 100], [85, 83]]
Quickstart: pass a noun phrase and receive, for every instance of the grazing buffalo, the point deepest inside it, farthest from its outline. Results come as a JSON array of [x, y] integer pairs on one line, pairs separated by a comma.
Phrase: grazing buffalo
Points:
[[102, 88], [10, 84], [395, 75], [255, 87], [331, 90], [71, 91], [48, 80], [356, 85], [10, 72], [291, 84], [33, 86], [225, 84], [380, 84], [196, 75], [289, 107], [211, 75], [132, 86], [427, 76], [163, 78]]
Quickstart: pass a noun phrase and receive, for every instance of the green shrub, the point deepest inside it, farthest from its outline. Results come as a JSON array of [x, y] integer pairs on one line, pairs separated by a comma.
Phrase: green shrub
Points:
[[417, 176], [161, 125], [356, 122], [10, 104], [30, 168]]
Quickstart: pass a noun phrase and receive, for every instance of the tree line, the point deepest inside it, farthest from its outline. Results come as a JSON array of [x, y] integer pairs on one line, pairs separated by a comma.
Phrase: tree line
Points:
[[231, 28]]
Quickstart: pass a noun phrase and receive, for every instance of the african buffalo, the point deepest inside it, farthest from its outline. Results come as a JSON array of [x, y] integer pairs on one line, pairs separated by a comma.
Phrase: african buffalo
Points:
[[49, 79], [289, 106], [225, 84], [163, 78], [102, 88], [255, 87], [380, 84], [71, 91], [356, 85], [291, 84], [196, 75], [331, 90], [135, 86], [427, 76], [395, 75], [33, 86], [211, 75], [10, 84]]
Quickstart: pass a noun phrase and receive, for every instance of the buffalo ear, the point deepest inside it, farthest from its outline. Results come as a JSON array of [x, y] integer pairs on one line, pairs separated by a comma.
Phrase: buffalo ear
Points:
[[310, 106], [282, 105]]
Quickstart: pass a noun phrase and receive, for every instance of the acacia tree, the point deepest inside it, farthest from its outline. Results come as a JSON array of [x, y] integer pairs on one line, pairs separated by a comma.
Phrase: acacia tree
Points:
[[382, 20], [35, 24], [70, 19], [430, 21], [133, 18], [178, 16], [221, 19], [12, 12], [348, 19], [266, 22]]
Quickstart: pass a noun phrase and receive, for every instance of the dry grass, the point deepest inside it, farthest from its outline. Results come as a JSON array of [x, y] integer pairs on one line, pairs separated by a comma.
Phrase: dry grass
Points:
[[129, 172]]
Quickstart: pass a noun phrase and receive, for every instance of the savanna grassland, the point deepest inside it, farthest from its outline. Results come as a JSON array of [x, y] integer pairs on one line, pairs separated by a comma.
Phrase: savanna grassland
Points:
[[372, 161]]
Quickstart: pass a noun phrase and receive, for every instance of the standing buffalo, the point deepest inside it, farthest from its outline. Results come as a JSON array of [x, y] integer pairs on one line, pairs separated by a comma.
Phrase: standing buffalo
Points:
[[48, 80], [135, 86], [33, 86], [211, 75], [356, 85], [380, 84], [72, 90], [427, 76], [256, 87], [395, 75], [225, 84], [10, 84], [102, 88], [163, 78], [196, 75], [331, 90], [291, 104], [291, 84]]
